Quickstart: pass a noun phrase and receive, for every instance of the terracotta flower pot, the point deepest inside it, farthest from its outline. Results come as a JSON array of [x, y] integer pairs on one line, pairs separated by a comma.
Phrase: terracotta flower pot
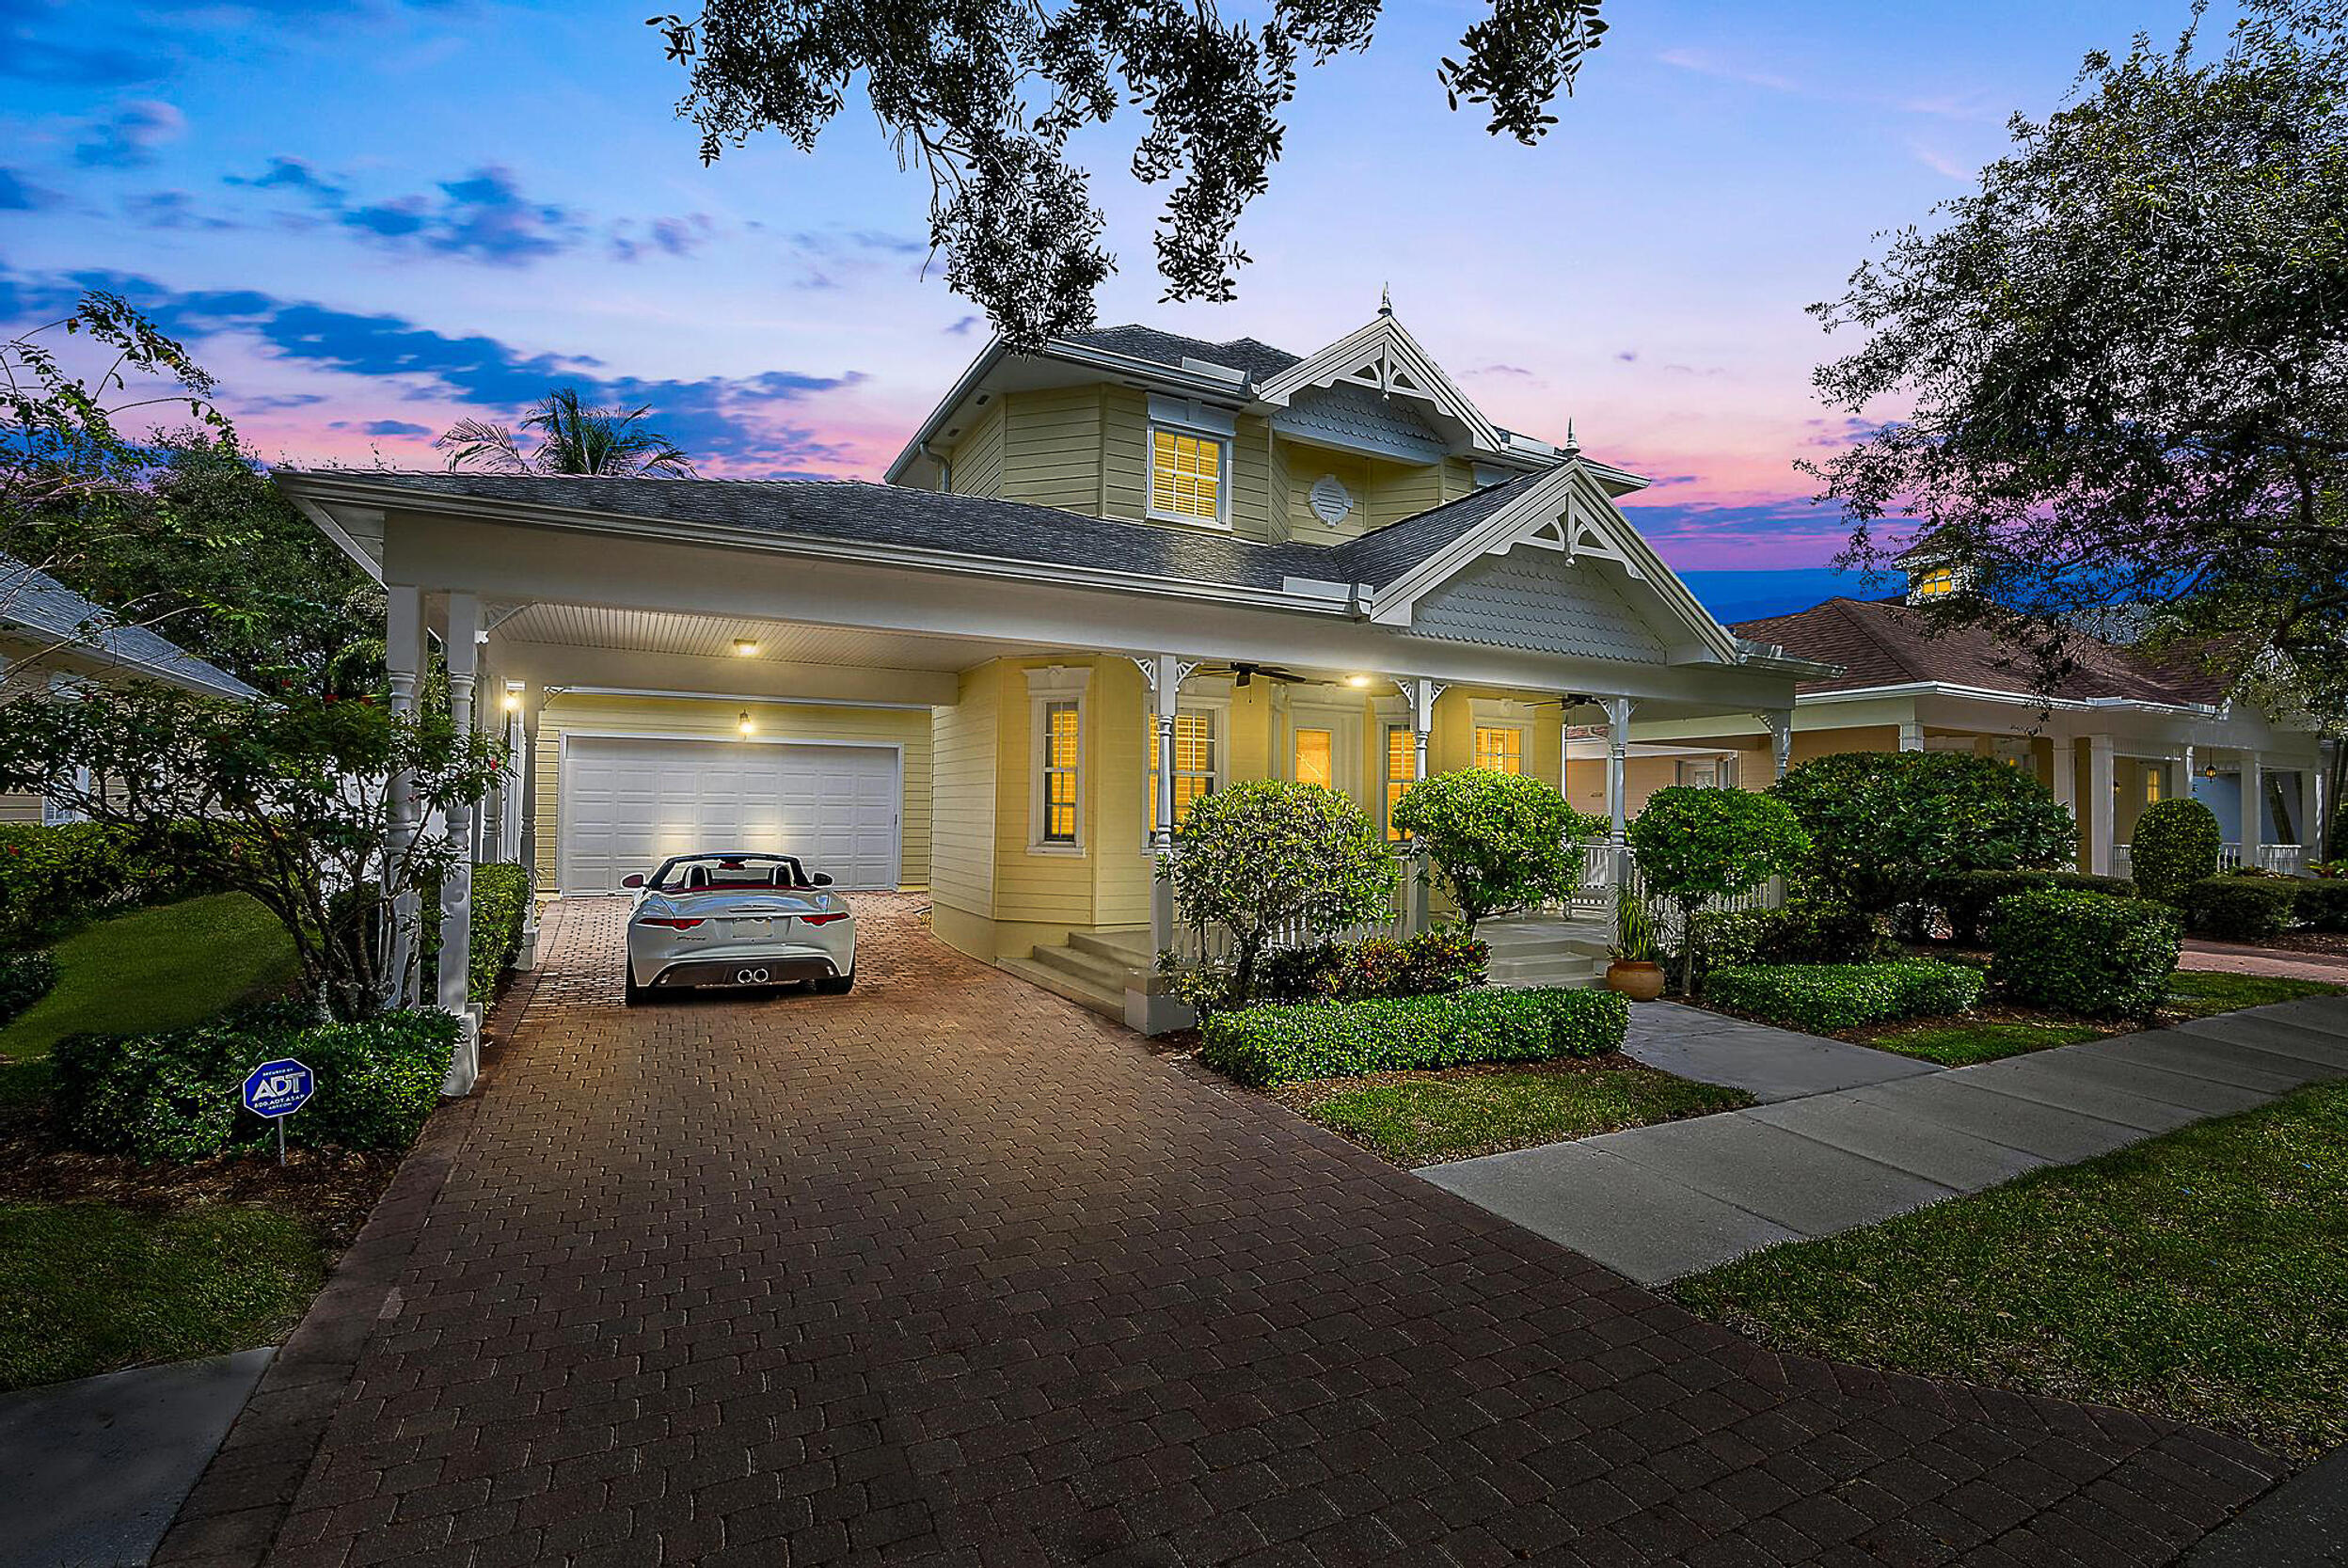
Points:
[[1641, 982]]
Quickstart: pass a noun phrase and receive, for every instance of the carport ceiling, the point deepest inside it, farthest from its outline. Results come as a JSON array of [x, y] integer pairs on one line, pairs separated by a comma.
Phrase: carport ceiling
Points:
[[714, 636]]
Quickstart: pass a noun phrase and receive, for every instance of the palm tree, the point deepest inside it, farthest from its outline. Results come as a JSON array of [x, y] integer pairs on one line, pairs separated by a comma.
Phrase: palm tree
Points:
[[572, 439]]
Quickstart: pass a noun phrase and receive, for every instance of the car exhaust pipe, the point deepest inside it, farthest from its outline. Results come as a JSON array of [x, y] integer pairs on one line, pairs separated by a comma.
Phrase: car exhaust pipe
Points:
[[749, 977]]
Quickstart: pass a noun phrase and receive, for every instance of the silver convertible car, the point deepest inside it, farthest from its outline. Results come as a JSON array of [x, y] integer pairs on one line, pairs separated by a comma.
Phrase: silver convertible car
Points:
[[738, 919]]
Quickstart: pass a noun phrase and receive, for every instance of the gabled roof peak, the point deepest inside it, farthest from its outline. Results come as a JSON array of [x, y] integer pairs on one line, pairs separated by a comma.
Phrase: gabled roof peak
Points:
[[1382, 357]]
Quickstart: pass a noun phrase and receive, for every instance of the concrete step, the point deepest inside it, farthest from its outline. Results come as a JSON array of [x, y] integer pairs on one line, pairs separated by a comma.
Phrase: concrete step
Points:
[[1587, 977], [1061, 983], [1103, 975], [1130, 948]]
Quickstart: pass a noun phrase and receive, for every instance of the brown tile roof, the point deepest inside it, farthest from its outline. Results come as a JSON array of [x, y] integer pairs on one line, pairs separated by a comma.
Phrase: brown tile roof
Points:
[[1888, 643]]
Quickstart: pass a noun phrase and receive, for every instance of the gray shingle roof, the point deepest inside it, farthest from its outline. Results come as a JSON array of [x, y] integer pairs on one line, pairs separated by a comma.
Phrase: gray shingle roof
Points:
[[34, 602], [854, 511], [1257, 359]]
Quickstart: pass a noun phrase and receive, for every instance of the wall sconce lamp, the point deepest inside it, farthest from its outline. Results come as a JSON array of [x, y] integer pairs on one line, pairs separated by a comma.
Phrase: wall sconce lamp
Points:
[[745, 725]]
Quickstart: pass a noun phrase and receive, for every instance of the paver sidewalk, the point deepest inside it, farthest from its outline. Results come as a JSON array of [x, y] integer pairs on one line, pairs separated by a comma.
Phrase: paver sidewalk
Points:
[[950, 1271], [1660, 1202]]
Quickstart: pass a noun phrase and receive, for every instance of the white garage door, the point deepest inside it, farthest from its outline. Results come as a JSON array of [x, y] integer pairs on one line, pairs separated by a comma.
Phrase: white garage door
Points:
[[628, 805]]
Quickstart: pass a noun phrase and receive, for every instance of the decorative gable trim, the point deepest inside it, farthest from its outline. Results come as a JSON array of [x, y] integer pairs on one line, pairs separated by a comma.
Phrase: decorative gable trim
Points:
[[1566, 510], [1382, 358]]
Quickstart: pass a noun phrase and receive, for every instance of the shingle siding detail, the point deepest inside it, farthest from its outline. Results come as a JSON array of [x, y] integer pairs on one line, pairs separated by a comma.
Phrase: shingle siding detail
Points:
[[1354, 416], [1538, 599]]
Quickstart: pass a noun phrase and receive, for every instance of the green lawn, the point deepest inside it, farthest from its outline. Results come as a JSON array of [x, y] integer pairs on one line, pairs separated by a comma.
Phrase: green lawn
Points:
[[1965, 1044], [88, 1288], [162, 967], [1420, 1121], [2203, 991], [2201, 1275]]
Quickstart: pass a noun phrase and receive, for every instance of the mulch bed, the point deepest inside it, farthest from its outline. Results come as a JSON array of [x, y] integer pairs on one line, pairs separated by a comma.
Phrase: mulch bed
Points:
[[333, 1189]]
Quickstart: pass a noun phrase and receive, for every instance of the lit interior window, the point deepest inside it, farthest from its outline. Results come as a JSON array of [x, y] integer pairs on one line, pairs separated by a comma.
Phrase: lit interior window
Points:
[[1316, 758], [1194, 763], [1402, 766], [1062, 745], [1502, 751], [1937, 583], [1185, 475]]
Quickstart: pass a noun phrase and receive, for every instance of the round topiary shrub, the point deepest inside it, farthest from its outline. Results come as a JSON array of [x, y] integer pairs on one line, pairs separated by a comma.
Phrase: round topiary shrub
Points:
[[1502, 841], [2176, 845]]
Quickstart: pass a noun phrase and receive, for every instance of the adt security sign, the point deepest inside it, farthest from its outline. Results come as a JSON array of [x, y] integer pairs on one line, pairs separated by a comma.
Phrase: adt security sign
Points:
[[278, 1089]]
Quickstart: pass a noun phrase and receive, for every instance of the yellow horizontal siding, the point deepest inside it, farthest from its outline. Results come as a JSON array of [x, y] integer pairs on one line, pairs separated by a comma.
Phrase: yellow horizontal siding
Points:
[[962, 764]]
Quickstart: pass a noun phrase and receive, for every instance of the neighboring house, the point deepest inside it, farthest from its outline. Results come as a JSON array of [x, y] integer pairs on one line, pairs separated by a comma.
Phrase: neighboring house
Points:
[[1102, 580], [2123, 729], [51, 638]]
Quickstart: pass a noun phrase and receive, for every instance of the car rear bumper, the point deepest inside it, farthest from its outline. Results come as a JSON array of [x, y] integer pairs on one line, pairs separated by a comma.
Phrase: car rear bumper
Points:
[[785, 970]]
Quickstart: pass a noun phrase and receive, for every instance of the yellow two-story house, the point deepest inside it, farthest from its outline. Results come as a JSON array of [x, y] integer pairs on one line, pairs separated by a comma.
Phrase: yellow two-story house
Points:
[[1099, 581]]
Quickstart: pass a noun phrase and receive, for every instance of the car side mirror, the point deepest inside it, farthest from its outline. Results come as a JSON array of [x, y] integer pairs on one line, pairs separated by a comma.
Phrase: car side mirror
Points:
[[634, 878], [823, 878]]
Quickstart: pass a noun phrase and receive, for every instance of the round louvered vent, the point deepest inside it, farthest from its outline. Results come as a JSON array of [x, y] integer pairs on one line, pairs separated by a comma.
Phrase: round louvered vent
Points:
[[1331, 500]]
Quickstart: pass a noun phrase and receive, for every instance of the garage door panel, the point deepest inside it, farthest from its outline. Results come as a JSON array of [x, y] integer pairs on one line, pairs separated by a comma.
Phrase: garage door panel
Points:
[[629, 803]]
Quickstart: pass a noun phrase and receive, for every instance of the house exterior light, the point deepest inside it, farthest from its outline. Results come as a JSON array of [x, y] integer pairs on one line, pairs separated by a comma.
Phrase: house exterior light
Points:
[[744, 725], [746, 647]]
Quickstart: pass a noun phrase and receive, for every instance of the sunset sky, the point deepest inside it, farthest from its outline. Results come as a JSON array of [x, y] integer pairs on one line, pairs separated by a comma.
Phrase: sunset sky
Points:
[[371, 217]]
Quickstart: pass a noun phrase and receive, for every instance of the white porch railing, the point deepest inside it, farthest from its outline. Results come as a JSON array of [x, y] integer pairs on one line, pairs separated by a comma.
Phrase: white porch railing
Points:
[[2289, 860], [1193, 945]]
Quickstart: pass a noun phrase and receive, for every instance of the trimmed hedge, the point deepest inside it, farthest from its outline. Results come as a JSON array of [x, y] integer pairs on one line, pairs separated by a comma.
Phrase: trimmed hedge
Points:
[[53, 878], [2235, 908], [2083, 953], [2175, 844], [1266, 1046], [1819, 997], [24, 979], [1434, 963], [501, 896], [1812, 930], [2322, 905], [1969, 897], [179, 1096]]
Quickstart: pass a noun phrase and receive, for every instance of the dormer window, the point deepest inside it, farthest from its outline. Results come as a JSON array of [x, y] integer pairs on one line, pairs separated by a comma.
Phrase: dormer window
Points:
[[1190, 462], [1937, 583]]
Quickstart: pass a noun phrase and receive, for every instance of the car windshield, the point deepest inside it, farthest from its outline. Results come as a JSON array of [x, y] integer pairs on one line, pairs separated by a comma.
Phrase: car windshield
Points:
[[729, 873]]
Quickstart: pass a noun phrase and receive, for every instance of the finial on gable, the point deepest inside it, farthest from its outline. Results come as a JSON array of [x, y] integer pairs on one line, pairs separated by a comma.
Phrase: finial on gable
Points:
[[1386, 301], [1573, 443]]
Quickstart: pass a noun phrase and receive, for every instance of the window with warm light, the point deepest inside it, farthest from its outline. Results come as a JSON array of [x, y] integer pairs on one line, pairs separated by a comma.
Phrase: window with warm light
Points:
[[1500, 749], [1194, 763], [2152, 786], [1063, 752], [1402, 771], [1186, 475], [1938, 583], [1316, 758]]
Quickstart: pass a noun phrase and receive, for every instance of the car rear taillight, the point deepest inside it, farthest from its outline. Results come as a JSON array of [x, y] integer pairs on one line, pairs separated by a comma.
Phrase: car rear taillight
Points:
[[822, 919], [670, 924]]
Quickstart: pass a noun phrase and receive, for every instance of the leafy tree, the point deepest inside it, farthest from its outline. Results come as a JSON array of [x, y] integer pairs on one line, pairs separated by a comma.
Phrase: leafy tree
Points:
[[265, 595], [986, 96], [1502, 841], [2125, 358], [72, 472], [1267, 857], [1695, 845], [1885, 825], [572, 439], [2175, 844], [284, 798]]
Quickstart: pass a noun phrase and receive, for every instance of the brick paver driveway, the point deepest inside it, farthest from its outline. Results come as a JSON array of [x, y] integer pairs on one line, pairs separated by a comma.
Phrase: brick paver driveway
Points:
[[948, 1270]]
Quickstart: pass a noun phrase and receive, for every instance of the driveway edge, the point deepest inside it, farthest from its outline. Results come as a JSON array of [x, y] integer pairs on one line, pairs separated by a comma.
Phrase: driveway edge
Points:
[[233, 1516]]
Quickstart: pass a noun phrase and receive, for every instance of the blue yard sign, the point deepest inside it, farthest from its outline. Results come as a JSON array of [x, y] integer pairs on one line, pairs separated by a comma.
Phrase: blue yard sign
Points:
[[277, 1090]]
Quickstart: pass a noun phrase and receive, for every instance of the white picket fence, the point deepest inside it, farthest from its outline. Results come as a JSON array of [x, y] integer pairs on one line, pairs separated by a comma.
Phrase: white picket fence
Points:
[[2289, 860]]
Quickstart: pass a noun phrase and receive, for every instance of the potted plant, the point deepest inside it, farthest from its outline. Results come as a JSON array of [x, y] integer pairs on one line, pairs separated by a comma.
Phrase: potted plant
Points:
[[1634, 972]]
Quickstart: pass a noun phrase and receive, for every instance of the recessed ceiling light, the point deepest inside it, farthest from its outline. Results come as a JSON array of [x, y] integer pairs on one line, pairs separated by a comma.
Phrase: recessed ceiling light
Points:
[[746, 647], [1356, 680]]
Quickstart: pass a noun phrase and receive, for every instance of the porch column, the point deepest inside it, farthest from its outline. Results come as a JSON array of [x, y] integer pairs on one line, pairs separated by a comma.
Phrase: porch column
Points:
[[1420, 693], [404, 659], [2311, 814], [1163, 673], [517, 769], [2253, 808], [1780, 723], [1911, 736], [456, 883], [1617, 790], [2100, 804]]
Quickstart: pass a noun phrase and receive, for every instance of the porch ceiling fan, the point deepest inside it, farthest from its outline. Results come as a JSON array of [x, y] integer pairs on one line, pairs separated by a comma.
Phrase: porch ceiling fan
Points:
[[1242, 673]]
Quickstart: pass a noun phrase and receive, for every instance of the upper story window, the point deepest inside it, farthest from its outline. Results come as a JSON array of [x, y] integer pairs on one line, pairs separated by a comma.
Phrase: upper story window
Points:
[[1938, 583], [1190, 461], [1186, 475]]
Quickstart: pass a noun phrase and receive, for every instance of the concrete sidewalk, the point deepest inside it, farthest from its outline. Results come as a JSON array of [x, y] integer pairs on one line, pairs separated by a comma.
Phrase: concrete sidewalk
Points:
[[1660, 1202], [93, 1472]]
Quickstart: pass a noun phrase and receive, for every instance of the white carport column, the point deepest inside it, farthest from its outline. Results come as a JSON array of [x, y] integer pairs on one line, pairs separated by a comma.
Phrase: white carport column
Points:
[[2099, 816], [1780, 723], [2310, 813], [456, 883], [1911, 736], [1419, 693], [403, 658], [2253, 808], [517, 769], [1617, 789]]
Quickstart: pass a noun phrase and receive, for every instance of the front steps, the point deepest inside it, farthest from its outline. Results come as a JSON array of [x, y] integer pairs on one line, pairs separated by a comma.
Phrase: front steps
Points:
[[1091, 970], [1535, 951]]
